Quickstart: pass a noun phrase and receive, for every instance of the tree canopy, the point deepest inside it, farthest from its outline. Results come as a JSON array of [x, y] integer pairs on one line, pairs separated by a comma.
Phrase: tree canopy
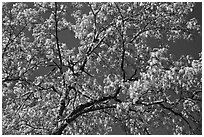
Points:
[[111, 77]]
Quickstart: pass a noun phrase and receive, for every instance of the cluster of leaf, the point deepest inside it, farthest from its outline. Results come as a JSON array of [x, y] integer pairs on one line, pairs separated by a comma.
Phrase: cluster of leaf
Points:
[[111, 77]]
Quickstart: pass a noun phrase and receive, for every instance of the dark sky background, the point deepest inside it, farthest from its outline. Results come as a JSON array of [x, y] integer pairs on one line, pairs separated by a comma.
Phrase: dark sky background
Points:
[[180, 47], [186, 47]]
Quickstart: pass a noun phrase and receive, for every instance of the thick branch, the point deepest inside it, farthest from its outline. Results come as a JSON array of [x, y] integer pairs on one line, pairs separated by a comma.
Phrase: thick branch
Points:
[[177, 114], [160, 102], [57, 39], [82, 109], [122, 63], [123, 42], [11, 79], [60, 130], [88, 104], [97, 108]]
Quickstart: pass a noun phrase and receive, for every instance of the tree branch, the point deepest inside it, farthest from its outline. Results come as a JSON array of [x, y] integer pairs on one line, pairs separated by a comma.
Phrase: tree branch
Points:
[[122, 63], [81, 109], [36, 128], [160, 102], [97, 108], [57, 39], [55, 90], [140, 32], [177, 114], [12, 40]]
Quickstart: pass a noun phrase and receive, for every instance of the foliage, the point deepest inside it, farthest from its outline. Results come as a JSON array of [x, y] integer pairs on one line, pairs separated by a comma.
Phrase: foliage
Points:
[[111, 77]]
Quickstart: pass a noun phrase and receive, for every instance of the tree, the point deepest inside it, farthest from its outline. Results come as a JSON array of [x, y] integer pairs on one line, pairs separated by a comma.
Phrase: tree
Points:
[[111, 77]]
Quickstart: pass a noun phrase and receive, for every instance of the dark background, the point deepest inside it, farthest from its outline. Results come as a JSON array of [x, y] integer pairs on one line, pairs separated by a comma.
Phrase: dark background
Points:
[[180, 47]]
